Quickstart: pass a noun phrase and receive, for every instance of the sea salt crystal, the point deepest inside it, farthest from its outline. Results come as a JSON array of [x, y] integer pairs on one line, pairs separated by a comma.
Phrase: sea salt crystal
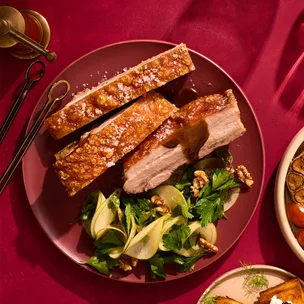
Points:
[[98, 72], [120, 86], [115, 143], [125, 69], [98, 111], [76, 87], [91, 75], [110, 164], [146, 78], [73, 94]]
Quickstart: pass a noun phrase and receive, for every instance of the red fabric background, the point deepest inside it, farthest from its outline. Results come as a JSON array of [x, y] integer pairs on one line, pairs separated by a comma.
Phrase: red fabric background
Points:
[[256, 42]]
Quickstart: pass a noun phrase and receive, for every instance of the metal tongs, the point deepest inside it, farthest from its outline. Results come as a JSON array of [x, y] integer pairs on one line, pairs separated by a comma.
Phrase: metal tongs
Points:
[[29, 82], [5, 178]]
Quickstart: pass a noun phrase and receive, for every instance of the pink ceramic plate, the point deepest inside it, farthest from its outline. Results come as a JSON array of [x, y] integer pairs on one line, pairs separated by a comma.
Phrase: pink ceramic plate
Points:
[[49, 200], [231, 284]]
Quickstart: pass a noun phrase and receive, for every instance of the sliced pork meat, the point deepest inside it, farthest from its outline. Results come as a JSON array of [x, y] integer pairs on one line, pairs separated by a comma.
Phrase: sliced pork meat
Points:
[[195, 131]]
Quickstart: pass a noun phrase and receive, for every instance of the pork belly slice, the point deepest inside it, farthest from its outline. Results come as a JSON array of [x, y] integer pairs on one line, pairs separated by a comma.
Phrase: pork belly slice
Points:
[[78, 164], [291, 290], [90, 104], [195, 130]]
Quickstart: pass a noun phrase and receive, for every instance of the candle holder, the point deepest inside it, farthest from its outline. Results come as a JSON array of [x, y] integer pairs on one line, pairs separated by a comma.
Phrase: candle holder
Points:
[[25, 33]]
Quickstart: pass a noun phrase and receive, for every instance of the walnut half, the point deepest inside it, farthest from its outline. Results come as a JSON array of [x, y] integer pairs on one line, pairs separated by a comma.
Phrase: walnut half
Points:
[[161, 207], [126, 263], [243, 175], [207, 245], [199, 181]]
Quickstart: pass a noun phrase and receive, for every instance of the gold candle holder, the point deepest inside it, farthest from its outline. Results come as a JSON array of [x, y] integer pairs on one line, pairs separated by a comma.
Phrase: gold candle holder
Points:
[[26, 33]]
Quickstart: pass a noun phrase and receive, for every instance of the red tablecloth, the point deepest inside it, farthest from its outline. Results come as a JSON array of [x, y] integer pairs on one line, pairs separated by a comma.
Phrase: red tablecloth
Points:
[[256, 42]]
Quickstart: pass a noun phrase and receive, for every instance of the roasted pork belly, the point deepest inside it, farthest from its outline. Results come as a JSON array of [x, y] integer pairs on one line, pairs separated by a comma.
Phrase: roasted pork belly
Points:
[[195, 130], [90, 104], [81, 162], [291, 290]]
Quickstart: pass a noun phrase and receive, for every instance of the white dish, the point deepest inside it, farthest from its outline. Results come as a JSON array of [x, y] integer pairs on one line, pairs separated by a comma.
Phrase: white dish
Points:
[[231, 283], [281, 195]]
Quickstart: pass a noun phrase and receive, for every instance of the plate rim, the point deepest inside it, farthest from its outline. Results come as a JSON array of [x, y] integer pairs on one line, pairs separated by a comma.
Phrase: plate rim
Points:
[[248, 104], [261, 267], [279, 195]]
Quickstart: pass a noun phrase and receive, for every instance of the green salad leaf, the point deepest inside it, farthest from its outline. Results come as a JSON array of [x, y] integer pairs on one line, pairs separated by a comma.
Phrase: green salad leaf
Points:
[[176, 238], [189, 263], [158, 262], [108, 242], [103, 263], [89, 207], [209, 300], [114, 200], [186, 178], [140, 209], [211, 199], [157, 267], [209, 210]]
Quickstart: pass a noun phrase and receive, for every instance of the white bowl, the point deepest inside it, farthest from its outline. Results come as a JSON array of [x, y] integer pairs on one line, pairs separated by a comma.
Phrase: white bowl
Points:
[[281, 195]]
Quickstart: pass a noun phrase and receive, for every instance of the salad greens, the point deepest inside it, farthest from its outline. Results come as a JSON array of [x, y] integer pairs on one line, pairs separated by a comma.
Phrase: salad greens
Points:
[[132, 227]]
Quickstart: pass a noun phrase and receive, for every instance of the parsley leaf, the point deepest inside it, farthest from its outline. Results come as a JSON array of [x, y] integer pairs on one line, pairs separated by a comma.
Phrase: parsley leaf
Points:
[[209, 300], [176, 238], [189, 263], [102, 263], [89, 207], [186, 179], [157, 267], [114, 201], [209, 210], [219, 177], [140, 209], [129, 215], [109, 241], [210, 202], [186, 213]]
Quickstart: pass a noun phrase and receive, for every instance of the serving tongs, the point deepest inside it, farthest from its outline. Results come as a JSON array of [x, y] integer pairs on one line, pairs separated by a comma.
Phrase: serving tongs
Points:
[[47, 108], [30, 80]]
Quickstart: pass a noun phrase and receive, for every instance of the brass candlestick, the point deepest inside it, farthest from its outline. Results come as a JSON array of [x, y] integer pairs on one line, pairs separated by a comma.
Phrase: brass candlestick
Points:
[[27, 27]]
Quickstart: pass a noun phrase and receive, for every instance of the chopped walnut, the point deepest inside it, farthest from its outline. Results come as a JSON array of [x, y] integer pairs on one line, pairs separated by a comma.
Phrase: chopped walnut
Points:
[[200, 180], [157, 201], [195, 191], [207, 245], [230, 170], [126, 263], [163, 209], [243, 175], [160, 204]]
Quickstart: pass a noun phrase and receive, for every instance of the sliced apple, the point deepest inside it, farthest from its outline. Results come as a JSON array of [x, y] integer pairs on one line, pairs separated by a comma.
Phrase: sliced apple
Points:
[[99, 206], [104, 217], [131, 234], [102, 231], [235, 192], [171, 196], [116, 252], [145, 244], [209, 233]]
